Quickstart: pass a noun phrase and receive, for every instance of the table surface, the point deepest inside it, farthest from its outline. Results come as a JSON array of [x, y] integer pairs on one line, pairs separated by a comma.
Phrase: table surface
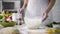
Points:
[[25, 30]]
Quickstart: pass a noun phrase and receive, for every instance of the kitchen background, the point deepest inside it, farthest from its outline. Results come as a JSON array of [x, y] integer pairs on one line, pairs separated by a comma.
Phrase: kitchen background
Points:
[[18, 4], [14, 6]]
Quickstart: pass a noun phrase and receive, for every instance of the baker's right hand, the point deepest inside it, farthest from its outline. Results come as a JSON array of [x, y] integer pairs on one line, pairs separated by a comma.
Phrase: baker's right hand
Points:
[[22, 10]]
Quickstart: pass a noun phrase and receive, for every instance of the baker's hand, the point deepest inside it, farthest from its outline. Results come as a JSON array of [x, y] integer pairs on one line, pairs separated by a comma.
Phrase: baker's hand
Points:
[[22, 10], [45, 16]]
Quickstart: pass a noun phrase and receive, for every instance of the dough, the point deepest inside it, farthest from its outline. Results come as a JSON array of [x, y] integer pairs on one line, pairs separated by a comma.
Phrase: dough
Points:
[[9, 30]]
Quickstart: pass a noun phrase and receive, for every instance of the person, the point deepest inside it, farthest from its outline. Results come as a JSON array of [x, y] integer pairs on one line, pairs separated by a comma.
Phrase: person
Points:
[[37, 9]]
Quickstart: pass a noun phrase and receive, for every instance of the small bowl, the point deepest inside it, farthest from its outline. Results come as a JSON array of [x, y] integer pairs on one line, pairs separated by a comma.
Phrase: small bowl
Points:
[[56, 26]]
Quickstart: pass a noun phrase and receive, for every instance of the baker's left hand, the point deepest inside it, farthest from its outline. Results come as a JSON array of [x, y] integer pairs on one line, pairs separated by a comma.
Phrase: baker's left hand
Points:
[[45, 16]]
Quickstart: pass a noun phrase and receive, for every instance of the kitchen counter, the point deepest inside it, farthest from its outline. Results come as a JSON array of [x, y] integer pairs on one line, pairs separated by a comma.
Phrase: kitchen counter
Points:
[[25, 30]]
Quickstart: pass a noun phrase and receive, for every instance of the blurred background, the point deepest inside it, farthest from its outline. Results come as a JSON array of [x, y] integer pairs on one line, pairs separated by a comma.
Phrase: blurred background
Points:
[[10, 17], [15, 5]]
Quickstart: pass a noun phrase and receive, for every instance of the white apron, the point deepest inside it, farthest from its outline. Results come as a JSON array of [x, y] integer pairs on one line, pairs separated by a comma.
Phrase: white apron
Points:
[[34, 10]]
